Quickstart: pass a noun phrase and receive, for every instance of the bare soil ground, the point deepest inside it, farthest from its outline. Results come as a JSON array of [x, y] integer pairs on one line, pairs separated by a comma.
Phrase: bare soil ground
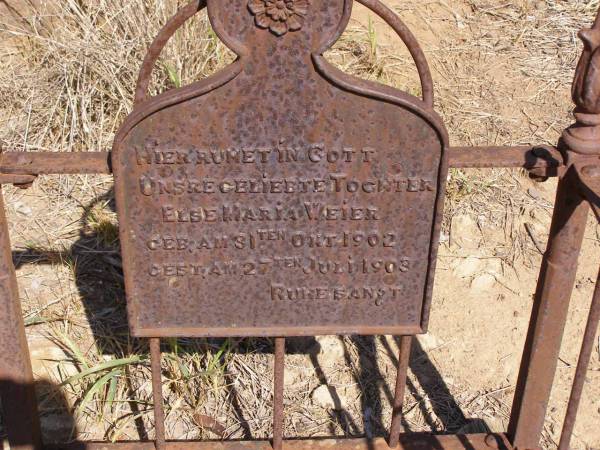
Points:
[[502, 74]]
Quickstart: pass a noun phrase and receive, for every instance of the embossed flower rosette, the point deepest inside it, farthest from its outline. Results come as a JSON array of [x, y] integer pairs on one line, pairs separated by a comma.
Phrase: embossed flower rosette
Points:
[[279, 16]]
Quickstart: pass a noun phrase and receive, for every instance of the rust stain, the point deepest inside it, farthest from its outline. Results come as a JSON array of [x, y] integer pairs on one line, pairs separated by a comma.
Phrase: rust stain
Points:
[[280, 197]]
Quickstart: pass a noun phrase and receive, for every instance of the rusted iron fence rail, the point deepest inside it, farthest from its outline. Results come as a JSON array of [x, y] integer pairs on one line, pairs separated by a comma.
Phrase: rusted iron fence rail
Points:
[[17, 163], [575, 161], [568, 227]]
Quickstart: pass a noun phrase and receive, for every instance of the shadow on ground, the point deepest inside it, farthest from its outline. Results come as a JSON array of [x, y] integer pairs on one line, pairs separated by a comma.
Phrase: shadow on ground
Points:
[[98, 273], [56, 421]]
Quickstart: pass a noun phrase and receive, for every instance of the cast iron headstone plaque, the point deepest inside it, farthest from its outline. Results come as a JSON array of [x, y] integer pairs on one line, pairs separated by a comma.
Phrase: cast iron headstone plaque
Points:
[[280, 196]]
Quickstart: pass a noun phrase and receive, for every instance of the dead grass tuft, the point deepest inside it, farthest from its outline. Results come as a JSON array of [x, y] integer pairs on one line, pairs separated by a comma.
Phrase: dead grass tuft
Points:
[[71, 68]]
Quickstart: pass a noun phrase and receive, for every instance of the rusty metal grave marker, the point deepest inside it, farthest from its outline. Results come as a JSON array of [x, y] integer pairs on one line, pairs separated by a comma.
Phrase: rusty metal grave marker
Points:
[[281, 196]]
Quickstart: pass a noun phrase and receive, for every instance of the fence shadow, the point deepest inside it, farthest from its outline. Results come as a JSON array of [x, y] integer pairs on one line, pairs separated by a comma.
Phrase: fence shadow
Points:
[[96, 263], [57, 423], [96, 259]]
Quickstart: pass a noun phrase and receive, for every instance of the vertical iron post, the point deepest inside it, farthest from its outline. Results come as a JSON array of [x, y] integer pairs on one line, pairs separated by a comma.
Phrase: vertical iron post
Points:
[[549, 315], [559, 267], [159, 409], [278, 384], [403, 360], [16, 377], [587, 347]]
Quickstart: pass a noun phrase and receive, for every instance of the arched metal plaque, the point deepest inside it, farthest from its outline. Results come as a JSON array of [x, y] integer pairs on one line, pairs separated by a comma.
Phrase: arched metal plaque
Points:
[[280, 197]]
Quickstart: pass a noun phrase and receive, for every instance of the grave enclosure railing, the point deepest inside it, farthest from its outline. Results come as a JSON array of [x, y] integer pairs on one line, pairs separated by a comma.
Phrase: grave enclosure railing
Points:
[[575, 161]]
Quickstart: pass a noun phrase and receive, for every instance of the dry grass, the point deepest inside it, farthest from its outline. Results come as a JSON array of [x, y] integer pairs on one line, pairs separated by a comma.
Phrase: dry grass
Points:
[[75, 85], [502, 75]]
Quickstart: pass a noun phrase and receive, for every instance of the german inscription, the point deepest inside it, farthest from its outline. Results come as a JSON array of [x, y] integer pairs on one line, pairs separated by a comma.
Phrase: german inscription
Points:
[[281, 214]]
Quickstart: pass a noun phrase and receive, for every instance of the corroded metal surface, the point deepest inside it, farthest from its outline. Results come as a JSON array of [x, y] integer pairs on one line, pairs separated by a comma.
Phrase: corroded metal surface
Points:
[[401, 375], [589, 179], [583, 138], [16, 378], [310, 165], [581, 150], [278, 390], [415, 441], [159, 42], [279, 197], [549, 314], [157, 394], [545, 160], [41, 163], [585, 356], [582, 147], [38, 163]]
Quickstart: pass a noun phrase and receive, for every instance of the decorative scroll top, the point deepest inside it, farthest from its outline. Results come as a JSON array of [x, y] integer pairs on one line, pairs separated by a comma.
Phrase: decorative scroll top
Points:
[[279, 16]]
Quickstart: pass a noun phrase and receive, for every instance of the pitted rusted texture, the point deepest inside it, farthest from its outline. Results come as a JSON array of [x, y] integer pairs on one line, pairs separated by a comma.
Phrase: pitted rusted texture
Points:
[[17, 389], [549, 314], [280, 196], [583, 138], [414, 441], [549, 162], [581, 147], [585, 357], [275, 134]]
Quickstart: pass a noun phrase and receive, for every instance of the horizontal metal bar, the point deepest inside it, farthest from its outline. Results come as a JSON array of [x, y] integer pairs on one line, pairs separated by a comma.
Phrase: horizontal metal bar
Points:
[[407, 442], [41, 163], [13, 178], [526, 157], [290, 331]]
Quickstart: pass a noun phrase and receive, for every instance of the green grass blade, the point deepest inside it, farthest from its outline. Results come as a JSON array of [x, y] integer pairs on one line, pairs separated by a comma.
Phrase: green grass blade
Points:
[[177, 360], [93, 390], [184, 371], [37, 320], [372, 39], [104, 366], [112, 389], [174, 344], [173, 76], [215, 360]]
